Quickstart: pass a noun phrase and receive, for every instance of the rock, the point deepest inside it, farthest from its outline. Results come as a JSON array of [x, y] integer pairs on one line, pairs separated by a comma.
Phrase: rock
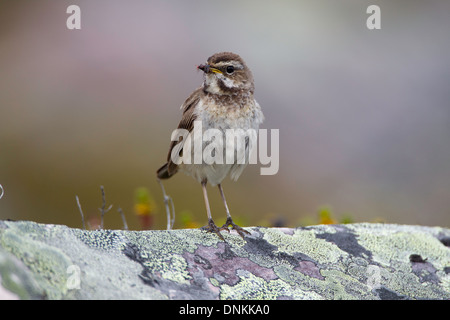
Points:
[[354, 261]]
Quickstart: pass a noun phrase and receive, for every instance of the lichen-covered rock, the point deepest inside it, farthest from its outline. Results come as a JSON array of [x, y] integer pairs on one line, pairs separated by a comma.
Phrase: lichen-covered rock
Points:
[[355, 261]]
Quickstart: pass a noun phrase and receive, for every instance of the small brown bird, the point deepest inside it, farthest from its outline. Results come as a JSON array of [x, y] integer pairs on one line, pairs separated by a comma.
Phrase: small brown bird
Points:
[[224, 101]]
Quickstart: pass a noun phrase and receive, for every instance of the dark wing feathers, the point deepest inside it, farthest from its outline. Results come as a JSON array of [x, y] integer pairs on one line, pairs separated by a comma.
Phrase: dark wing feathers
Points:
[[187, 122]]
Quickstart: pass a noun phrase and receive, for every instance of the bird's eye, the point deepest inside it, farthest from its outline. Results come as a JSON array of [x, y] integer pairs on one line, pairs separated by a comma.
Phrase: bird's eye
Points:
[[230, 69]]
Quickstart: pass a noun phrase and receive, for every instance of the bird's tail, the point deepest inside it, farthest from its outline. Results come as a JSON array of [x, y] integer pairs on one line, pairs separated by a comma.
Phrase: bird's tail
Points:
[[163, 172]]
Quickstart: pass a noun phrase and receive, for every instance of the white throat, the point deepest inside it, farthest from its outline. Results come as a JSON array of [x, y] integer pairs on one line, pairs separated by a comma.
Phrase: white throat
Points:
[[211, 82]]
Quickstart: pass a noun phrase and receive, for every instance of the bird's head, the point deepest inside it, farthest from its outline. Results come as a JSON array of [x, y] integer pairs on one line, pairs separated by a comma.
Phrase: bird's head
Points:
[[226, 73]]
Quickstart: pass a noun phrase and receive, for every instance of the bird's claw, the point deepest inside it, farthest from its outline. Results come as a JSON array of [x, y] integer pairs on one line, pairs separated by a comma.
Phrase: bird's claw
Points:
[[211, 227], [239, 230]]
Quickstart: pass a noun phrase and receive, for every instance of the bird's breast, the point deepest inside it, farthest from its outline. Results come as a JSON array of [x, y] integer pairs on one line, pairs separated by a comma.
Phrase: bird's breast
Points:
[[228, 113]]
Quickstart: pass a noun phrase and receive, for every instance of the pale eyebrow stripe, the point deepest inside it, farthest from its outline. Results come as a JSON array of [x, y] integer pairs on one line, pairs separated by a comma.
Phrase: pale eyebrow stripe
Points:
[[234, 63]]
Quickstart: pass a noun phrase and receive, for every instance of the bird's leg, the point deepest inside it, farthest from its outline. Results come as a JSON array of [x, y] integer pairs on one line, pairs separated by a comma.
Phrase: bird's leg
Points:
[[211, 227], [229, 221]]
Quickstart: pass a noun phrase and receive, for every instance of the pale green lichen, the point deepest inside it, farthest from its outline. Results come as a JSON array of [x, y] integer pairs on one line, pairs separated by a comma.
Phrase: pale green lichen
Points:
[[392, 248], [305, 263], [338, 283], [214, 282], [305, 241], [15, 281], [256, 288], [49, 263], [445, 280], [177, 271], [170, 242], [395, 245], [292, 277]]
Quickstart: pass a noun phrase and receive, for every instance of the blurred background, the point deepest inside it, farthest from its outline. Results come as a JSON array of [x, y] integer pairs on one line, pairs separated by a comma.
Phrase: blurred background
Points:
[[364, 115]]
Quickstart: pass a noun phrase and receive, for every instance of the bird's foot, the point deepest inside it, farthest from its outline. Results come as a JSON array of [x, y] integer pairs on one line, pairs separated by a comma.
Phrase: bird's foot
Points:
[[211, 227], [234, 226]]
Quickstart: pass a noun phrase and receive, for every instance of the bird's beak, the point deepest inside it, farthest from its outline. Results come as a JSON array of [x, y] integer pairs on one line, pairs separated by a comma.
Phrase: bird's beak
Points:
[[206, 68]]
